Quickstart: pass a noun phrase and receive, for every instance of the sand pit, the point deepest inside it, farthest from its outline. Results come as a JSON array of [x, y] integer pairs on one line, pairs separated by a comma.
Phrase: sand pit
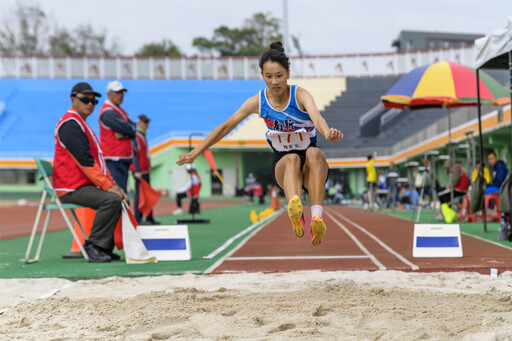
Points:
[[360, 305]]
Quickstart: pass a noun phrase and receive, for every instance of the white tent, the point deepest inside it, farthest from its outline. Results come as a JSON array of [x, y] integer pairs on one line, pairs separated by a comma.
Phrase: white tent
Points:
[[492, 50]]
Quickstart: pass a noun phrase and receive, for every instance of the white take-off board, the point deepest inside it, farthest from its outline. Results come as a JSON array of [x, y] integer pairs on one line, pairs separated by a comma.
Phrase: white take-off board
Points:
[[437, 240], [166, 242]]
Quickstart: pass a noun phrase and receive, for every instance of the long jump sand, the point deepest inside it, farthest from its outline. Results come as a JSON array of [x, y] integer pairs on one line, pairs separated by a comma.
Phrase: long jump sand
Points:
[[311, 305]]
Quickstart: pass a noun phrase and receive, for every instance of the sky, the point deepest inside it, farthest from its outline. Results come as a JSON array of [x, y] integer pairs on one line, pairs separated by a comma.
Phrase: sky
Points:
[[322, 26]]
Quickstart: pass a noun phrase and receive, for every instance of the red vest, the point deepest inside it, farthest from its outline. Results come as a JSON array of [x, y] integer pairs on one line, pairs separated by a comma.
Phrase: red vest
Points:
[[463, 183], [193, 192], [112, 147], [67, 176], [258, 190], [142, 154]]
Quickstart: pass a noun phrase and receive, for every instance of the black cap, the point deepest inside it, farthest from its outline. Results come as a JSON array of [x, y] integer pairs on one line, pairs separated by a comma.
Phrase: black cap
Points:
[[143, 118], [83, 88]]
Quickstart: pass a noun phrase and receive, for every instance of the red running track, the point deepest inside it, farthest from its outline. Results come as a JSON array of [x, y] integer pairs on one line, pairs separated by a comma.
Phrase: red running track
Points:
[[355, 240]]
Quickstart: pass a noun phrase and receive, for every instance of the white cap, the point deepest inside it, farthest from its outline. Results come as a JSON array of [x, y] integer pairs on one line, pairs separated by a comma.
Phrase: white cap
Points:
[[190, 166], [115, 86]]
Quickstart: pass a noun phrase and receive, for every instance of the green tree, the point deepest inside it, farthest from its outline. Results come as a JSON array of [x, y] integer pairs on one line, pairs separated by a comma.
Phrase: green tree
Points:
[[164, 49], [24, 31], [252, 39], [91, 43], [62, 43]]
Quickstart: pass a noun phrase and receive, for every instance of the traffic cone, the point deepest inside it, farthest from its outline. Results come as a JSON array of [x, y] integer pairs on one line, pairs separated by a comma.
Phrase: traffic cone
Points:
[[86, 216], [274, 204]]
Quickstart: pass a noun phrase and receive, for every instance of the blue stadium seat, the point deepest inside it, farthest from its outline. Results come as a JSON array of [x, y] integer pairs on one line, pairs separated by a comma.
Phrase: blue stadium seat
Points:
[[34, 106]]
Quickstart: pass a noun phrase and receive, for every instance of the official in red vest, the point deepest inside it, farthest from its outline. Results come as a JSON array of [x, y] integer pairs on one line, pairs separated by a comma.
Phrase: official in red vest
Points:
[[191, 189], [116, 134], [80, 174], [141, 167]]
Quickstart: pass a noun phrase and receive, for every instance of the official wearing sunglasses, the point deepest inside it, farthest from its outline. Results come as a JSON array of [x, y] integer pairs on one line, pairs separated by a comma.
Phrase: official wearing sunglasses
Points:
[[87, 100], [80, 175], [82, 96]]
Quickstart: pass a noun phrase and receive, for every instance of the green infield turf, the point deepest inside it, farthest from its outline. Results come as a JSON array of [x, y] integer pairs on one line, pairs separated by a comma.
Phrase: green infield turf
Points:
[[225, 222]]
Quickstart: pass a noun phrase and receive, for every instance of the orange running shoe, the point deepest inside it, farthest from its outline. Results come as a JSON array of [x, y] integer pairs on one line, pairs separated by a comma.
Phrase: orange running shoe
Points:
[[295, 215], [318, 230]]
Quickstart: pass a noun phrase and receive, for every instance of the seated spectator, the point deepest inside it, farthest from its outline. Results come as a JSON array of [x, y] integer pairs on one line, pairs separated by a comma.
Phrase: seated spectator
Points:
[[459, 182], [404, 195], [487, 175], [382, 186], [499, 173]]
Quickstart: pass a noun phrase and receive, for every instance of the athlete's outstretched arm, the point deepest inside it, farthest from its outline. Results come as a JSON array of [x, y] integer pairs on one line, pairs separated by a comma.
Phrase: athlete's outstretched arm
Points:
[[305, 98], [250, 106]]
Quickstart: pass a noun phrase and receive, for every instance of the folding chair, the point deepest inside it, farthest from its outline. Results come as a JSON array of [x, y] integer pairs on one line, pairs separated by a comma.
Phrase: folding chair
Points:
[[45, 172]]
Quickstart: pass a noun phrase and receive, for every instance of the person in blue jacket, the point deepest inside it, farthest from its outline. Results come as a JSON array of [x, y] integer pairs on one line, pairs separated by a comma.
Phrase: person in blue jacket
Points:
[[499, 172]]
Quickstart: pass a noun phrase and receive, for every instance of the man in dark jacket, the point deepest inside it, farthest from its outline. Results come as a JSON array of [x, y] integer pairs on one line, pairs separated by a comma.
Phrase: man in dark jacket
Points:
[[116, 134], [499, 172]]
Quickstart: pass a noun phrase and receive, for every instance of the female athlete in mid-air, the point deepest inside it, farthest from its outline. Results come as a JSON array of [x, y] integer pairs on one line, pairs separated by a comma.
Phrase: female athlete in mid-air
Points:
[[292, 119]]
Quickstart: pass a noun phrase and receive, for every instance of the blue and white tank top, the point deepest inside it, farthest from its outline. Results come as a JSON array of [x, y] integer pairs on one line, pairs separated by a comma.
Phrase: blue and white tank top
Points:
[[288, 129]]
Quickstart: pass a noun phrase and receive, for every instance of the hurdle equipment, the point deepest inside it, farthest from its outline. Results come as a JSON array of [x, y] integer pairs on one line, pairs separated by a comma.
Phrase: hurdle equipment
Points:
[[166, 242], [436, 240]]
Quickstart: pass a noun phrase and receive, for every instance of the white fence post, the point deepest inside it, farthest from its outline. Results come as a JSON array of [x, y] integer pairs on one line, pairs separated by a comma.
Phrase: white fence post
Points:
[[354, 65]]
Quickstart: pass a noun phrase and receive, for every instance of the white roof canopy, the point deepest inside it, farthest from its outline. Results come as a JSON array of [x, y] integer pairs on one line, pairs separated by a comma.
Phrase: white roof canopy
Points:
[[492, 50]]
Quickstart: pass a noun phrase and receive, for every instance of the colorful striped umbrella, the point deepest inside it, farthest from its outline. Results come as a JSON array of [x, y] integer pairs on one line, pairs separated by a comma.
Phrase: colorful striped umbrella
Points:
[[444, 84]]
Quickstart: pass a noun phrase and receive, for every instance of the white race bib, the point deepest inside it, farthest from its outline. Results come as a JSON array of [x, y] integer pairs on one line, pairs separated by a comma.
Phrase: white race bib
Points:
[[284, 141]]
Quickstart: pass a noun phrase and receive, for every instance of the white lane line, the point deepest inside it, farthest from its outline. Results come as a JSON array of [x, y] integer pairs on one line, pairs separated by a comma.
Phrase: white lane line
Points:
[[235, 237], [242, 243], [297, 257], [358, 243], [380, 242]]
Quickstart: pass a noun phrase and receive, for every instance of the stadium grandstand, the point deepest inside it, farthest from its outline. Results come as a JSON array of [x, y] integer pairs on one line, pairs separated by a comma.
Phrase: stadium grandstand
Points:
[[186, 98]]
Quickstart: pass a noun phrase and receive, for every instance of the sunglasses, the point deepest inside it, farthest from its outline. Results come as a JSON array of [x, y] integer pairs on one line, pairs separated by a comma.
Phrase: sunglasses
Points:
[[87, 100]]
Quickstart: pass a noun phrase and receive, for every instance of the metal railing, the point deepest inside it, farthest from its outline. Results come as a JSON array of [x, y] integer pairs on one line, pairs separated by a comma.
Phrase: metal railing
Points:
[[389, 116], [343, 65], [370, 114]]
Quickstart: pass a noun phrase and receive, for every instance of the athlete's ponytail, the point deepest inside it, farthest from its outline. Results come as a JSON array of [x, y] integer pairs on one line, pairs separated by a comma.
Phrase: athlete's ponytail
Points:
[[275, 54]]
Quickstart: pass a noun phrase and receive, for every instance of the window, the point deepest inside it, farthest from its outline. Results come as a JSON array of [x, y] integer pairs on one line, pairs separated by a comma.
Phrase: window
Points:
[[17, 176]]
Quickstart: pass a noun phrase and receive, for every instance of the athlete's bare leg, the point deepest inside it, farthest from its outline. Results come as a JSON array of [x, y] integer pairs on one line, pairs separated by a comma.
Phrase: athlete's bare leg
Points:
[[289, 178], [314, 175], [288, 175]]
